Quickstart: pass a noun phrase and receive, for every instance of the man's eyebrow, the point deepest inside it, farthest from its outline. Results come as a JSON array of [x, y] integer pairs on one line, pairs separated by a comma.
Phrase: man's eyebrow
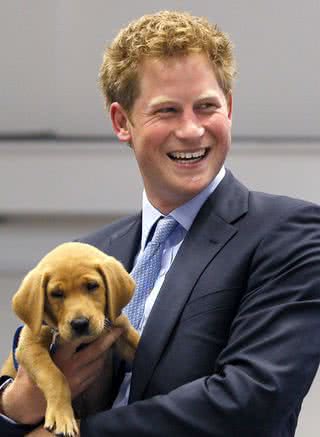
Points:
[[159, 101], [208, 95]]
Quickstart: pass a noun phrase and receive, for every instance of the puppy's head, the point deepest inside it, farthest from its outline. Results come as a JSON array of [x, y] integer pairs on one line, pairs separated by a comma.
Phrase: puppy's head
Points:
[[73, 289]]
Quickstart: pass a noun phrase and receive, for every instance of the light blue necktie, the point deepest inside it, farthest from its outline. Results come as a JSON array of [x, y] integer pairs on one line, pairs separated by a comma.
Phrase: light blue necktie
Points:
[[147, 269]]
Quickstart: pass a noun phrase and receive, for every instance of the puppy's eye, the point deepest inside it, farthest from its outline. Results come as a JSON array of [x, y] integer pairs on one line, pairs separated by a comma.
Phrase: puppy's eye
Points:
[[92, 285], [57, 294]]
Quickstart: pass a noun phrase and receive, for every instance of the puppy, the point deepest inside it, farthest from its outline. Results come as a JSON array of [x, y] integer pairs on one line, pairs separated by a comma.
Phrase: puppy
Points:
[[74, 294]]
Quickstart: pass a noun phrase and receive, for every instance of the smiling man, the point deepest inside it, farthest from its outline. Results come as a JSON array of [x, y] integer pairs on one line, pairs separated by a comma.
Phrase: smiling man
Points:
[[228, 320], [179, 127]]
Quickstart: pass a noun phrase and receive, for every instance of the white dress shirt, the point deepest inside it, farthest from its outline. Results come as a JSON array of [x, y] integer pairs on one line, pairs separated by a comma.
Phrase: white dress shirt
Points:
[[185, 216]]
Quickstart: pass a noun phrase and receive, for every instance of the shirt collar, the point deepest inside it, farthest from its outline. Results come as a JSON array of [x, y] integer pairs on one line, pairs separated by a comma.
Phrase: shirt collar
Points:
[[184, 214]]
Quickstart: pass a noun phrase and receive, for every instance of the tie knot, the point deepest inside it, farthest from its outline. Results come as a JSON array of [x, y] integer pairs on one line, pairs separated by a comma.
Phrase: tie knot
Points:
[[164, 228]]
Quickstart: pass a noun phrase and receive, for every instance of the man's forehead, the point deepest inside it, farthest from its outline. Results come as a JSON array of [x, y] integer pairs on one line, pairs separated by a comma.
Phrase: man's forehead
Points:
[[173, 79]]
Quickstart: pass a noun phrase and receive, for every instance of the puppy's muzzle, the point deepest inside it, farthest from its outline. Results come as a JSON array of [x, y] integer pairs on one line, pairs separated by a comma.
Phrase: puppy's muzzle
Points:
[[80, 326]]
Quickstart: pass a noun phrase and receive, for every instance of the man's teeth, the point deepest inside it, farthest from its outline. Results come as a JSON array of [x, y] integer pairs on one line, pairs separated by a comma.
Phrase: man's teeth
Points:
[[188, 155]]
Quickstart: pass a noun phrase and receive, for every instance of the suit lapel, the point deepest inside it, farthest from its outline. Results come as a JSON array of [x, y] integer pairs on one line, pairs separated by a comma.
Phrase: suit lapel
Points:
[[125, 244], [211, 230]]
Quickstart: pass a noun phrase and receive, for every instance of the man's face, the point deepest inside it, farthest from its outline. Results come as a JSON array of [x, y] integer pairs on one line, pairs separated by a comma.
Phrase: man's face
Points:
[[179, 128]]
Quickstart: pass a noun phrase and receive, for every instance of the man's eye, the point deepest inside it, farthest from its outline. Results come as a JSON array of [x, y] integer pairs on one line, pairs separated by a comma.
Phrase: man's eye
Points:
[[207, 106], [166, 110]]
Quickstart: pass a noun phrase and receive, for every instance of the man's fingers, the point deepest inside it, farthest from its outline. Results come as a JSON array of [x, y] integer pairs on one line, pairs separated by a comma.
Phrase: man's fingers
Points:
[[64, 352], [86, 383], [91, 362], [98, 347], [92, 369], [89, 353], [81, 367]]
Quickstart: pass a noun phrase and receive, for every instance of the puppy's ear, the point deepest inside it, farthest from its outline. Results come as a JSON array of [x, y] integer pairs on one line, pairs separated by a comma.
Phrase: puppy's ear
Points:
[[119, 286], [28, 302]]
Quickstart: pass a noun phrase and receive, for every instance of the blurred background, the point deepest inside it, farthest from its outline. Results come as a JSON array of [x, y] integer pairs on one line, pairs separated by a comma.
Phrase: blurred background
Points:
[[62, 172]]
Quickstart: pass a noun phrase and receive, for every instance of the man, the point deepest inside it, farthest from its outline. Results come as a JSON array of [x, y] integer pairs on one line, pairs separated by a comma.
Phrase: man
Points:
[[229, 343]]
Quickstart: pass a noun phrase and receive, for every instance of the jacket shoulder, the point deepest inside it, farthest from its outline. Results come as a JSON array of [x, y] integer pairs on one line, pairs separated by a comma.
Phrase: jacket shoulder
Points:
[[101, 237], [265, 203]]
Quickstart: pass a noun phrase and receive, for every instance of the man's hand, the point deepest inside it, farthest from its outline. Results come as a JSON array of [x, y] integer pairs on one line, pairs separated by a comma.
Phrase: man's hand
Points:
[[40, 432], [83, 367], [24, 402]]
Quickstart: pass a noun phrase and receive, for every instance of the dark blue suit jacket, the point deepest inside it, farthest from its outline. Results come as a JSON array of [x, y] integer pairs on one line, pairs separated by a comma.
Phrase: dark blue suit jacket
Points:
[[232, 343]]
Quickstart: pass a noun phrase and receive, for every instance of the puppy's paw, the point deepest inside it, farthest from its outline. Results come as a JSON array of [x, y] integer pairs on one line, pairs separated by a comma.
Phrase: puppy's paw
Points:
[[61, 423]]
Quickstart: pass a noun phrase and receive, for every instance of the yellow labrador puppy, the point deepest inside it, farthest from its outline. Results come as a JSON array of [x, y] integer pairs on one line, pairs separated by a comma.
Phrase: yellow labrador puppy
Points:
[[74, 294]]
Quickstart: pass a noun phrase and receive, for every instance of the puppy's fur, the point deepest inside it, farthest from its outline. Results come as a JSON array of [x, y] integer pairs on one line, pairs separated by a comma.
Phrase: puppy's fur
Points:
[[72, 289]]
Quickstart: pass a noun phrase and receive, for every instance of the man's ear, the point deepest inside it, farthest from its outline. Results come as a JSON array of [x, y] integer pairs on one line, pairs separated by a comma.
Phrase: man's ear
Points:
[[229, 99], [120, 122]]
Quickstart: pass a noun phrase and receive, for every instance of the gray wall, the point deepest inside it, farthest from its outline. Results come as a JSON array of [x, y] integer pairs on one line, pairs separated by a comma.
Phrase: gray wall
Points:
[[50, 52], [75, 177]]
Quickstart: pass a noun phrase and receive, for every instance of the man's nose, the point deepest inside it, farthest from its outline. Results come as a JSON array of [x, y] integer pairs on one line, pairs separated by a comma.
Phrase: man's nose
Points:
[[189, 128]]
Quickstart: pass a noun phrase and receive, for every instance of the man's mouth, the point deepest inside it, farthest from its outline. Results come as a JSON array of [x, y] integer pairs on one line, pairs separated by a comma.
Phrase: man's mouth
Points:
[[185, 157]]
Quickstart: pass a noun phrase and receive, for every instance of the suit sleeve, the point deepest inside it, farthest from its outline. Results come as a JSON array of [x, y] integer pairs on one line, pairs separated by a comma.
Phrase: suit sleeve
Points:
[[269, 362]]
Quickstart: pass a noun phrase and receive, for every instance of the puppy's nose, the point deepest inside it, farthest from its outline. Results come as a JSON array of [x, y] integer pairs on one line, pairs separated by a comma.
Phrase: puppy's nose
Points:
[[80, 326]]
